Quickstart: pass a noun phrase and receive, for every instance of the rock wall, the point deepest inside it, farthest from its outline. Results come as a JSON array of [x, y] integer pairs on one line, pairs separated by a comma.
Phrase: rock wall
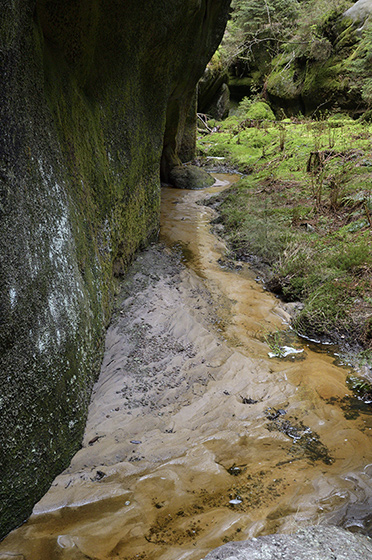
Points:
[[320, 76], [93, 92], [315, 71], [213, 91]]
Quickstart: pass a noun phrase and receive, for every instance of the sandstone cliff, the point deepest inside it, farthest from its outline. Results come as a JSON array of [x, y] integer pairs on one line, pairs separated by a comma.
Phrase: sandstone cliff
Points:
[[93, 92]]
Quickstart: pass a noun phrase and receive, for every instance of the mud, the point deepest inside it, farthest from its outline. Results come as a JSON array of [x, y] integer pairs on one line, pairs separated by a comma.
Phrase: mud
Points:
[[178, 455]]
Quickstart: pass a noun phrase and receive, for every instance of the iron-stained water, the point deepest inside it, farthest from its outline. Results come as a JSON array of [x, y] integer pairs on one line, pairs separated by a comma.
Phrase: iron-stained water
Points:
[[242, 444]]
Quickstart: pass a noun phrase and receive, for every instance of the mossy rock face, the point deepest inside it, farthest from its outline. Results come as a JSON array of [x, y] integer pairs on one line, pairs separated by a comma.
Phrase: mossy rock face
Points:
[[213, 91], [318, 75], [284, 87], [220, 104], [94, 93], [316, 86], [247, 76], [324, 87], [241, 87]]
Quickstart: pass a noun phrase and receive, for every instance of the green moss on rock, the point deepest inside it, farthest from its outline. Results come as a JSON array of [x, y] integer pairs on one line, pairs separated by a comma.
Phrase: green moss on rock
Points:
[[260, 111], [325, 85], [190, 177]]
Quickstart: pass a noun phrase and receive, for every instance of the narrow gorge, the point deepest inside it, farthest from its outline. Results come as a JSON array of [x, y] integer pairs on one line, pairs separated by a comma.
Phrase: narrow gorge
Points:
[[195, 435], [94, 100], [157, 402]]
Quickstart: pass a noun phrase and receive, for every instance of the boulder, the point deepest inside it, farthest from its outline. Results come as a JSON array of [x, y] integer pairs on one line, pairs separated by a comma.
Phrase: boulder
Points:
[[219, 108], [360, 11], [190, 177], [260, 110], [314, 543], [213, 91]]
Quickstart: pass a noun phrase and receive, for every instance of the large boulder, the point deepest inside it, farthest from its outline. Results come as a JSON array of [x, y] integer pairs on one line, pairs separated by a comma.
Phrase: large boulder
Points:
[[190, 177], [93, 92], [314, 543], [320, 76], [220, 107], [360, 12]]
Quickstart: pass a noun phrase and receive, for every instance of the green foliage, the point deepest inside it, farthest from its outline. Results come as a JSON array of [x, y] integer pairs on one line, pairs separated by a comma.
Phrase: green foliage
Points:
[[303, 54], [319, 27], [274, 342], [349, 258], [244, 106], [252, 23], [267, 238], [360, 387], [317, 244], [254, 16]]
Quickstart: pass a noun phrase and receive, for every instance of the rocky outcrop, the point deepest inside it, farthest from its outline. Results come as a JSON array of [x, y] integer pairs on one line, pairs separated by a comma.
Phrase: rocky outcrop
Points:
[[95, 94], [317, 543], [360, 12], [312, 74], [318, 77], [213, 91]]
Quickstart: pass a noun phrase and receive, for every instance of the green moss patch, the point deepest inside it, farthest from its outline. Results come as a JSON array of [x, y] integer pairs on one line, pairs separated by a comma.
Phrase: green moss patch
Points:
[[302, 213]]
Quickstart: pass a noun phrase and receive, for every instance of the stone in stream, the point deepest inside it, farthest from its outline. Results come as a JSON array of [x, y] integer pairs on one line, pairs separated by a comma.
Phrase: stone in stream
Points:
[[190, 177], [314, 543]]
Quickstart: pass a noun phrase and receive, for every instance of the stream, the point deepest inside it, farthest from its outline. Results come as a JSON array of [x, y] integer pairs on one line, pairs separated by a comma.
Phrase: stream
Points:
[[195, 436]]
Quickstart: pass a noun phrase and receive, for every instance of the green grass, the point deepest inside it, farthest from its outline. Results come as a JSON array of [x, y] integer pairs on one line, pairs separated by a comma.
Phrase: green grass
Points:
[[303, 209]]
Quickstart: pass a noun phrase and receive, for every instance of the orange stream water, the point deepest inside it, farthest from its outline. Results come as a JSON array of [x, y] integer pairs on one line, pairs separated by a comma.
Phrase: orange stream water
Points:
[[242, 445]]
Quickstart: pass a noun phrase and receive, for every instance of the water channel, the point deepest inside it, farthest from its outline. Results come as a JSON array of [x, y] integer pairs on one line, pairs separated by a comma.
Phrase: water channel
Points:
[[195, 435]]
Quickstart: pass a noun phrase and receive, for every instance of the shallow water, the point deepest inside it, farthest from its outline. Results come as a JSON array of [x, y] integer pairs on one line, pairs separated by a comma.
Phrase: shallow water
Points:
[[195, 436]]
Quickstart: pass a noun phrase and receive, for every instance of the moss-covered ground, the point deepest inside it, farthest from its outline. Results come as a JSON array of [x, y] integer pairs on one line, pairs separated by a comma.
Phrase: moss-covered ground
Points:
[[302, 213]]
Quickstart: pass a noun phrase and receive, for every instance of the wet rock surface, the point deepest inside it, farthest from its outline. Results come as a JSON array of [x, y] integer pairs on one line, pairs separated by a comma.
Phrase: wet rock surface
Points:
[[316, 543]]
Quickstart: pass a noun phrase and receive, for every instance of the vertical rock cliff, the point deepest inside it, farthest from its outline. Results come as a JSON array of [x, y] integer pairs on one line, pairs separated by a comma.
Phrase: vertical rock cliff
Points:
[[94, 97]]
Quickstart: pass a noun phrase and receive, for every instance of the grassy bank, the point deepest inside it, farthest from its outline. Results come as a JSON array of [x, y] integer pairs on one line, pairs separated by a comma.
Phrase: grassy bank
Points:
[[302, 211]]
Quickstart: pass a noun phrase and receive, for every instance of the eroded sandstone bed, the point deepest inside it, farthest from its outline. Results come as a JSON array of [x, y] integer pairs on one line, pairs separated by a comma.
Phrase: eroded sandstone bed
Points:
[[195, 436], [94, 102]]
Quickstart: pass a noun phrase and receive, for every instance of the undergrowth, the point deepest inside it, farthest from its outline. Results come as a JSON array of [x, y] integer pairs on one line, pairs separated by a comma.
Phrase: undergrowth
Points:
[[303, 209]]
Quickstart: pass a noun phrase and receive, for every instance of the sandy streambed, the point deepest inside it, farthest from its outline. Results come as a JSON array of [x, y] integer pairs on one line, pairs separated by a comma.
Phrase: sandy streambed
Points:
[[194, 436]]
